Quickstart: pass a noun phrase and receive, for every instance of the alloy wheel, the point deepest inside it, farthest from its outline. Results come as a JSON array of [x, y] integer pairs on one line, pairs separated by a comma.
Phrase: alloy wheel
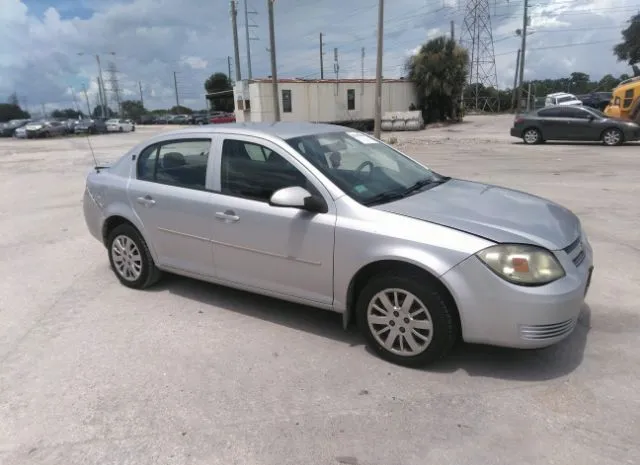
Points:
[[531, 136], [612, 137], [400, 322], [126, 258]]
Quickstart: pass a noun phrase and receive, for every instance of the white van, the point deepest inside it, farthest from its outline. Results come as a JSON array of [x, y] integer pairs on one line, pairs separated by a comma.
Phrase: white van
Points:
[[561, 98]]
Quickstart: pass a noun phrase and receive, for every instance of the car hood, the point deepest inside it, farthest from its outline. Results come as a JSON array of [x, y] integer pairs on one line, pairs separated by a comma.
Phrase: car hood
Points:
[[496, 213]]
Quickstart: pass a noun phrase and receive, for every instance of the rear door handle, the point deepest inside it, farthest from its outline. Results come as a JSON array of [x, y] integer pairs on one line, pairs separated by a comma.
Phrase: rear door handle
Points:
[[147, 201], [228, 216]]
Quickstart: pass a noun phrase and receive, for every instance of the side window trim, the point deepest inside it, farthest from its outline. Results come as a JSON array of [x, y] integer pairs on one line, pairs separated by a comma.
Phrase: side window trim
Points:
[[188, 138], [277, 148]]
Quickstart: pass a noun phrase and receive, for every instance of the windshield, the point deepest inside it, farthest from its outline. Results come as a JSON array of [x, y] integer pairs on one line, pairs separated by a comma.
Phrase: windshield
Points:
[[365, 169]]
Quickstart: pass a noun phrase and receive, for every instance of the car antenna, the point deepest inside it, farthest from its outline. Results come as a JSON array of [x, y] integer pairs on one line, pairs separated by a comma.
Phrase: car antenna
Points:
[[95, 161]]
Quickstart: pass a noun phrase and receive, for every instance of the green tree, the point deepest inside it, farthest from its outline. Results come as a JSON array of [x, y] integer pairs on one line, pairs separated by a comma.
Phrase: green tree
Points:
[[217, 82], [180, 110], [629, 49], [9, 111], [67, 113], [133, 109], [439, 71], [97, 112]]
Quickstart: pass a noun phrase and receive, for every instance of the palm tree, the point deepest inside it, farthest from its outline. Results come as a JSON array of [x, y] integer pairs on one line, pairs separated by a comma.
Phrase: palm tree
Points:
[[439, 71]]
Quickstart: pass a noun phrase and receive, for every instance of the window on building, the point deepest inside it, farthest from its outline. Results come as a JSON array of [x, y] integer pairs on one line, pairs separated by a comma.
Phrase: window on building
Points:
[[351, 99], [286, 101], [181, 163], [628, 98]]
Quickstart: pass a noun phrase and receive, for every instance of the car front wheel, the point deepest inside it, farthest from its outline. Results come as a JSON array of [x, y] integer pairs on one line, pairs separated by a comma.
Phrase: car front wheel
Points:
[[130, 258], [405, 320], [532, 136], [612, 137]]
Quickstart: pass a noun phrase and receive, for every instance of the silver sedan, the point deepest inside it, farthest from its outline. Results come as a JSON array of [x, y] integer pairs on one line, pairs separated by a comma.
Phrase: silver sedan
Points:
[[330, 217]]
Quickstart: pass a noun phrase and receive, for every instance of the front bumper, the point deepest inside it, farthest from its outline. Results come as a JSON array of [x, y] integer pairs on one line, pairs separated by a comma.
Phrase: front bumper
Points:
[[496, 312]]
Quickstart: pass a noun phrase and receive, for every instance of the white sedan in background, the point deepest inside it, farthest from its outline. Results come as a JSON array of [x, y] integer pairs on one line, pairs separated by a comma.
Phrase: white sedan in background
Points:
[[119, 125]]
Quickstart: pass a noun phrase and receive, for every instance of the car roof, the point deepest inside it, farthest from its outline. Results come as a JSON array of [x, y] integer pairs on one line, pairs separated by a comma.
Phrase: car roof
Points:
[[282, 130]]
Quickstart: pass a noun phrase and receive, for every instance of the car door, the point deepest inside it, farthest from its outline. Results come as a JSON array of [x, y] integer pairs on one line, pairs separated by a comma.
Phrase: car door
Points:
[[169, 193], [285, 251], [552, 124], [579, 127]]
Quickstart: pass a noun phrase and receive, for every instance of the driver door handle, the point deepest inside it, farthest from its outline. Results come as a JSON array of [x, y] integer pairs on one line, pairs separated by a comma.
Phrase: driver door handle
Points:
[[147, 201], [228, 216]]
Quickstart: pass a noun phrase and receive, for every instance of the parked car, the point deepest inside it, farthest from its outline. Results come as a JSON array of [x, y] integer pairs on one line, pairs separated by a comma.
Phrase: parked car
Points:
[[597, 100], [146, 119], [119, 125], [45, 128], [132, 123], [199, 118], [223, 118], [179, 119], [561, 98], [8, 129], [70, 125], [162, 119], [91, 126], [328, 216], [21, 132], [572, 123]]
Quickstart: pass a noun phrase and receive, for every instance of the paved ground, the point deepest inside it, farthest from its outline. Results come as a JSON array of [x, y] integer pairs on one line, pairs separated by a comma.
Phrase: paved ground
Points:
[[190, 373]]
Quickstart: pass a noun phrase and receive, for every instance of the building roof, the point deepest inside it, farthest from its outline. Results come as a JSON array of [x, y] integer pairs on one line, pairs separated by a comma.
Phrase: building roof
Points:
[[281, 130], [328, 81]]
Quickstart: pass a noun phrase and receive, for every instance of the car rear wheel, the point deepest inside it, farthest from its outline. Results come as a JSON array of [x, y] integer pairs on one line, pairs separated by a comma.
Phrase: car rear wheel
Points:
[[130, 258], [612, 137], [405, 320], [532, 136]]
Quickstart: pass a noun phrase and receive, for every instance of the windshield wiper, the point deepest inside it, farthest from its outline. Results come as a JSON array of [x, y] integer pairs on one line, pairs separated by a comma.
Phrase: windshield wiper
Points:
[[383, 197], [423, 183], [396, 195]]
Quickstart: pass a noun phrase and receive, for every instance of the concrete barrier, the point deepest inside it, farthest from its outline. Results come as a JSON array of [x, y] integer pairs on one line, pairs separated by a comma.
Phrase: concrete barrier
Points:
[[402, 121]]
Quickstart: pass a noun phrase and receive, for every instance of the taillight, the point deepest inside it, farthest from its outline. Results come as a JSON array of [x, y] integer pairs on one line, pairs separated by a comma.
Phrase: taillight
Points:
[[518, 120]]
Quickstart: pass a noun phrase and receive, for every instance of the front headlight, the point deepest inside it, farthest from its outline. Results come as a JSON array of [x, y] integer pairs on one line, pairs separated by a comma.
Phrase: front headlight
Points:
[[522, 264]]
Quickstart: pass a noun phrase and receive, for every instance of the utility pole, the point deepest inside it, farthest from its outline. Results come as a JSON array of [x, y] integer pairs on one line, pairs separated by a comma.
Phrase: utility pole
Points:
[[229, 65], [141, 97], [336, 67], [103, 95], [274, 75], [523, 48], [75, 101], [529, 97], [175, 85], [321, 58], [378, 107], [101, 98], [515, 82], [362, 71], [86, 97], [453, 30], [236, 49], [246, 30]]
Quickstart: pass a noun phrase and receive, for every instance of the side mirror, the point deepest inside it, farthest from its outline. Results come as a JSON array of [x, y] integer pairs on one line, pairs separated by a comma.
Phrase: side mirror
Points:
[[298, 197]]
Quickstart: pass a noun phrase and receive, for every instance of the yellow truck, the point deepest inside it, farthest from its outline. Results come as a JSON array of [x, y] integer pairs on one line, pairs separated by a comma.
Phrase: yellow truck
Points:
[[625, 101]]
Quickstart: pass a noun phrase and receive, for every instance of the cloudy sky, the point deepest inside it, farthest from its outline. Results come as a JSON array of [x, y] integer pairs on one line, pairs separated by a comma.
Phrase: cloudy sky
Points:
[[41, 41]]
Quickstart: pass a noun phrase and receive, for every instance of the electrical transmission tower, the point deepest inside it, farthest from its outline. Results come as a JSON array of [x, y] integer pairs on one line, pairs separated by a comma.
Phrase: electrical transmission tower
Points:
[[477, 37], [114, 85]]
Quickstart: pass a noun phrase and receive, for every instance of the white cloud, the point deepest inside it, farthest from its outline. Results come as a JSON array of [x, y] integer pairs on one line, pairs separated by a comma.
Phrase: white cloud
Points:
[[155, 38]]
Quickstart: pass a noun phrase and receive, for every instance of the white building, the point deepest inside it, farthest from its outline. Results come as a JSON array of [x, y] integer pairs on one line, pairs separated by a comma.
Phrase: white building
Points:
[[327, 101]]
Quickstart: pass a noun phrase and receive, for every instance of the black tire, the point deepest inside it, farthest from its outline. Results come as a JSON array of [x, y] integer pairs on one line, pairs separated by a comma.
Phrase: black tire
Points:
[[612, 137], [443, 333], [149, 273], [532, 136], [120, 129]]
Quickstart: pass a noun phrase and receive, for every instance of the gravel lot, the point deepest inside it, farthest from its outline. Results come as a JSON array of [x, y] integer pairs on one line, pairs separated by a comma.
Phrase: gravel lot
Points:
[[190, 373]]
